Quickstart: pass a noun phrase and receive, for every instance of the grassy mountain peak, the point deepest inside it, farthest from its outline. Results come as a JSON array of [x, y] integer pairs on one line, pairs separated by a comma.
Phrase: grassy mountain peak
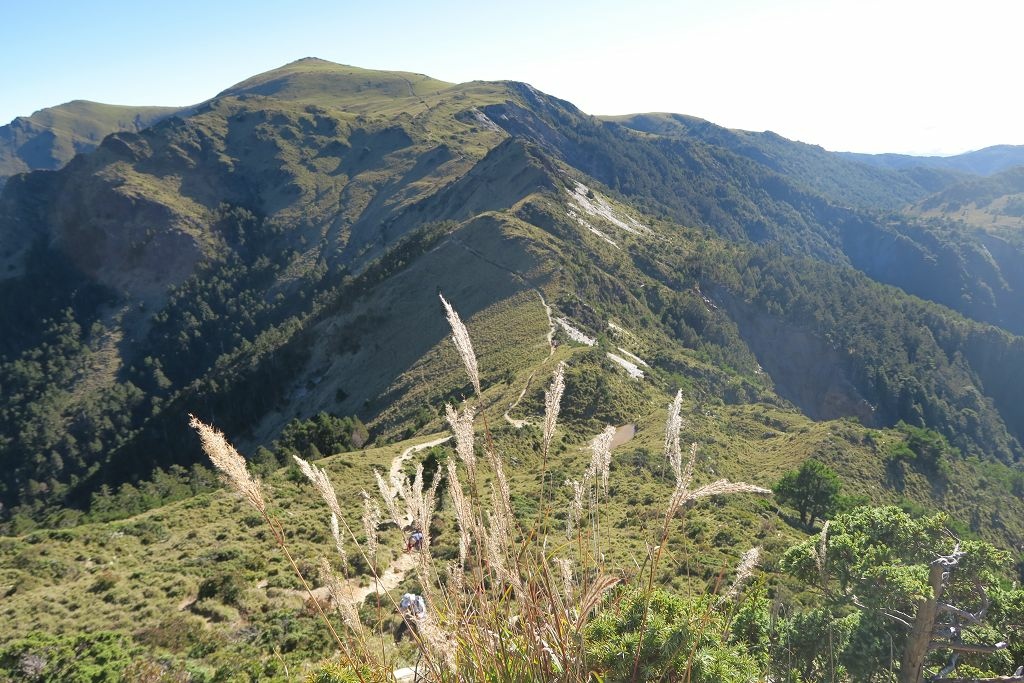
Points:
[[317, 81]]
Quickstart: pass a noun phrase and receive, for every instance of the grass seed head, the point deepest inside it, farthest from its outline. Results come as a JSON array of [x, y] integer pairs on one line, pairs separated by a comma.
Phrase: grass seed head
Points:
[[744, 570], [724, 487], [462, 506], [462, 428], [674, 425], [568, 582], [371, 520], [344, 605], [552, 404], [322, 483], [230, 464], [388, 494], [819, 557], [339, 541], [601, 456], [575, 505], [465, 347]]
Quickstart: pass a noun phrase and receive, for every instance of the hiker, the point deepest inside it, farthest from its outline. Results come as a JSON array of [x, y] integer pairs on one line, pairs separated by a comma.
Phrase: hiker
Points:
[[412, 607], [415, 541]]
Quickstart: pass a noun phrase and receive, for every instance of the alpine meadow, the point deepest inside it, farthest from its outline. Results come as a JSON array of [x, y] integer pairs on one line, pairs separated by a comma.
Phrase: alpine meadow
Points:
[[353, 375]]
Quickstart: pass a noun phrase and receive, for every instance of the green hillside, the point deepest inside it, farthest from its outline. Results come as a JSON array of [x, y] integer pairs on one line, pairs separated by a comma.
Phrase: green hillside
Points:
[[49, 138], [993, 205], [733, 191], [315, 81], [271, 261], [252, 224]]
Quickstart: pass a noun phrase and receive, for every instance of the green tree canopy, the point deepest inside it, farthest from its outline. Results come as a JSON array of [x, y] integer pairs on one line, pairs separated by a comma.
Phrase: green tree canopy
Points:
[[681, 640], [878, 560], [812, 490]]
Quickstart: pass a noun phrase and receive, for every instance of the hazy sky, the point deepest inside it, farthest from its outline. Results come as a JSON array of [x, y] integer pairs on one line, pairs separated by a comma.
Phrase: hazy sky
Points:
[[915, 76]]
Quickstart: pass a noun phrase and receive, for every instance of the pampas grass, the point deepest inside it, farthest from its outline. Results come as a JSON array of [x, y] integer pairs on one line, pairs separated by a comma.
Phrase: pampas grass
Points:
[[744, 570], [553, 405], [371, 522], [819, 557], [235, 473], [388, 495], [601, 456], [510, 608], [230, 464], [462, 427], [681, 496], [462, 343]]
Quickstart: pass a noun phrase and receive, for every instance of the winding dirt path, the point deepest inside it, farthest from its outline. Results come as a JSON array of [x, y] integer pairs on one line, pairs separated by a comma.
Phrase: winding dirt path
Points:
[[394, 574], [395, 473], [389, 580], [623, 434]]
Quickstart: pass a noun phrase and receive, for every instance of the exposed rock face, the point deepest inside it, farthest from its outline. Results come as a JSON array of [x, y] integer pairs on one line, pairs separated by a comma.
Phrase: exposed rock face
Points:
[[804, 368]]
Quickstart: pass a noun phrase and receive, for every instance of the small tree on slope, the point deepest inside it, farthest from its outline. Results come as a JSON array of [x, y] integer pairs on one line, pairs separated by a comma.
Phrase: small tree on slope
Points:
[[812, 490]]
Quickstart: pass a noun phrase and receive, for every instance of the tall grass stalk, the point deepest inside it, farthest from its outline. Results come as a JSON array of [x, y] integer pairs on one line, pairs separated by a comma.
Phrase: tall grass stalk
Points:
[[552, 407], [511, 607], [235, 474], [681, 494]]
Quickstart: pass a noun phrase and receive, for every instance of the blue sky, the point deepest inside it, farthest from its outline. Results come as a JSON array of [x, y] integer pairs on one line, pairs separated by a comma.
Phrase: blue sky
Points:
[[910, 76]]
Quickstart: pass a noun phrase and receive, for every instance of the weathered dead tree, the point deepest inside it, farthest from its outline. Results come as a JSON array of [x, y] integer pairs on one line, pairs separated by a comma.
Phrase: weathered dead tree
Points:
[[939, 626]]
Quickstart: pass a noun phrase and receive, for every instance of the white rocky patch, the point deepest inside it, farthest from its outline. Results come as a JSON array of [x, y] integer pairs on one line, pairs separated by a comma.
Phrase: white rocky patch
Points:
[[636, 359], [486, 122], [574, 332], [599, 206], [631, 368], [579, 219], [603, 236]]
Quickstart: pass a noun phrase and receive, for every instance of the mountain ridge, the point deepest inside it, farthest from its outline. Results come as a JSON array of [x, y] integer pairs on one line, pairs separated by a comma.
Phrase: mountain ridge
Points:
[[246, 221], [51, 137], [271, 261], [985, 161]]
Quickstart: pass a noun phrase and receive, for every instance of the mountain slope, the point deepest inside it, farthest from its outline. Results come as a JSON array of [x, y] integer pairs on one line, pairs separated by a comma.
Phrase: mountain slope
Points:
[[49, 138], [993, 204], [319, 82], [844, 181], [697, 183], [277, 251], [271, 263]]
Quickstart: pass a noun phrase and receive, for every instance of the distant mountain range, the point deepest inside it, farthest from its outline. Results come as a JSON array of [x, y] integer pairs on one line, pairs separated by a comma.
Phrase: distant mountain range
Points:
[[981, 162], [50, 137], [277, 251]]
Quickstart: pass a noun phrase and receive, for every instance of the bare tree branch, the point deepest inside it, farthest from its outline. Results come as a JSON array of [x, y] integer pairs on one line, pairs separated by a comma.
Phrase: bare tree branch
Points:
[[962, 613], [967, 647]]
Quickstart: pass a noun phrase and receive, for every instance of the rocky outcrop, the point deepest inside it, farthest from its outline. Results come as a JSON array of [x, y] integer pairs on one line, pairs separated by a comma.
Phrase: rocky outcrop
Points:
[[805, 369]]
